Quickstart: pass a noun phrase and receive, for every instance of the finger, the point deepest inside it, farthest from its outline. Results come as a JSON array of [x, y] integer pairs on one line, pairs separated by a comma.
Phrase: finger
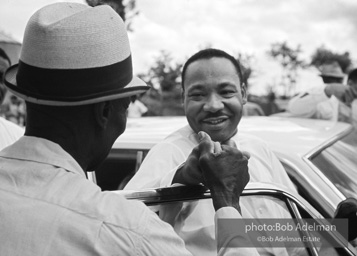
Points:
[[206, 145], [240, 154], [353, 91], [195, 152], [347, 99], [230, 143], [203, 136], [246, 154], [217, 148], [349, 96]]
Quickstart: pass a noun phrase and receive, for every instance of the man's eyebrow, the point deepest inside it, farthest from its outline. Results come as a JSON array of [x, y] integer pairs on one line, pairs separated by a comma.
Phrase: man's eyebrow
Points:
[[225, 84], [196, 87]]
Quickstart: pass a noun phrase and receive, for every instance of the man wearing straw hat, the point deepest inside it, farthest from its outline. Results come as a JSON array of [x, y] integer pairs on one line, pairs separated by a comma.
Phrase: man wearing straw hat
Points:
[[323, 102], [75, 74]]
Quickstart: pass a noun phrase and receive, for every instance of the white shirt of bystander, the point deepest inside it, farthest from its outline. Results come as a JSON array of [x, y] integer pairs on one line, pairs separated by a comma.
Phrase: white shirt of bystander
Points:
[[9, 133]]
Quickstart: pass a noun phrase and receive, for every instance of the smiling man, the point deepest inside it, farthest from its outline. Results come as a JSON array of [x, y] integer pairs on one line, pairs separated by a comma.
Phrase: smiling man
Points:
[[214, 95], [213, 101]]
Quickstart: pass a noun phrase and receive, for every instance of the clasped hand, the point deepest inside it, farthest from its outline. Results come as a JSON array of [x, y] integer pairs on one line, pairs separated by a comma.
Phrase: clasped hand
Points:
[[345, 94], [220, 167]]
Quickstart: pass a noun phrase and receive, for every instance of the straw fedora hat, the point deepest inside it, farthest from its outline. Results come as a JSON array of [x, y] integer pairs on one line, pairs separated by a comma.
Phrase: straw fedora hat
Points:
[[332, 70], [73, 54]]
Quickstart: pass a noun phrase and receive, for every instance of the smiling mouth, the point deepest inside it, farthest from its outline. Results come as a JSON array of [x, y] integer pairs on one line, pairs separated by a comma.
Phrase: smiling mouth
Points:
[[214, 121]]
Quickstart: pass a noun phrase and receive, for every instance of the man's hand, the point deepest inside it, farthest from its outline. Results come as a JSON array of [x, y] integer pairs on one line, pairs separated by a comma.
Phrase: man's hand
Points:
[[224, 171], [349, 96], [338, 90], [189, 173]]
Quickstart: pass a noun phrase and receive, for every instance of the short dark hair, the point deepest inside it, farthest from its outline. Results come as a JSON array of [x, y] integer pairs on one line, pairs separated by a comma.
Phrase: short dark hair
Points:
[[208, 54], [352, 75]]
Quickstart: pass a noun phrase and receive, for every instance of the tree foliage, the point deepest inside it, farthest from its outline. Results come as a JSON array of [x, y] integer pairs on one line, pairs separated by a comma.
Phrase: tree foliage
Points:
[[289, 59], [245, 61], [126, 9], [164, 76], [323, 56], [165, 73]]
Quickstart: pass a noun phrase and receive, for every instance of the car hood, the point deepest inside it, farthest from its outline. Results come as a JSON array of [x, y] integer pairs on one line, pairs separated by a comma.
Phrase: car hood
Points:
[[281, 133]]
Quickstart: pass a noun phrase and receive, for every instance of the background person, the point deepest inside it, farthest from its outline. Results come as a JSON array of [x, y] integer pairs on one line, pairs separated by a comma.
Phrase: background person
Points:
[[337, 102], [5, 62], [136, 107], [350, 97], [323, 102], [12, 108], [9, 132], [75, 74], [347, 96]]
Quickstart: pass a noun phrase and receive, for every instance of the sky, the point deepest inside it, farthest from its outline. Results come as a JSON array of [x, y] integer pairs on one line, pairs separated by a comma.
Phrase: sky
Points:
[[182, 27]]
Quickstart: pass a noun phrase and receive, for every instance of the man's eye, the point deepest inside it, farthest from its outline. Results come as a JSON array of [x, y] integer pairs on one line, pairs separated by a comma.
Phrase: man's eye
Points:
[[196, 95], [228, 93]]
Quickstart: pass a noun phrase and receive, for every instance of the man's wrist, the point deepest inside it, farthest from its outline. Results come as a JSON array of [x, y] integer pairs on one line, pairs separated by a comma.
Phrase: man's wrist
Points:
[[224, 199]]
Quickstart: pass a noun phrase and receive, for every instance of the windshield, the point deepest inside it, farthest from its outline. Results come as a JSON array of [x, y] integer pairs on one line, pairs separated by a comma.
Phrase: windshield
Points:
[[339, 163]]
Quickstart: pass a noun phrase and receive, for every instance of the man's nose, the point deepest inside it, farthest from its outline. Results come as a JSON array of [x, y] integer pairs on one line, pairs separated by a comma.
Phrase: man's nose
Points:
[[213, 104]]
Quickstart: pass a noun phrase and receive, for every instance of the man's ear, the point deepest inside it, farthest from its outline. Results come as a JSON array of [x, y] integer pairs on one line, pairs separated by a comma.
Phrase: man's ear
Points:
[[102, 113], [243, 89]]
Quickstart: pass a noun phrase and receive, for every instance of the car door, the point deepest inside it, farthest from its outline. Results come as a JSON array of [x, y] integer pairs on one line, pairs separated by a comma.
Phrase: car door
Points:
[[297, 210]]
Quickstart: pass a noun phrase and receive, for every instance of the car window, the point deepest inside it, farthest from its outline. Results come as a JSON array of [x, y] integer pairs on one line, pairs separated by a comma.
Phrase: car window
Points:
[[307, 190], [177, 204], [339, 163], [118, 168]]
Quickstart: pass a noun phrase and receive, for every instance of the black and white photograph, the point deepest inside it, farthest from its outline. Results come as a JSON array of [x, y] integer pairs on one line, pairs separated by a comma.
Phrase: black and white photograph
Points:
[[178, 127]]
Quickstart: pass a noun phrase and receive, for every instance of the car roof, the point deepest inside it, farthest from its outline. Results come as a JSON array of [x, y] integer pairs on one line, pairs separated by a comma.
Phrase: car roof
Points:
[[281, 133]]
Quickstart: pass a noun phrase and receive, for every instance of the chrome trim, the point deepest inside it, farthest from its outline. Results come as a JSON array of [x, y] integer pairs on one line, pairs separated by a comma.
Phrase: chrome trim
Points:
[[196, 192], [91, 176], [169, 194], [329, 142], [321, 194], [282, 193], [298, 216], [314, 152]]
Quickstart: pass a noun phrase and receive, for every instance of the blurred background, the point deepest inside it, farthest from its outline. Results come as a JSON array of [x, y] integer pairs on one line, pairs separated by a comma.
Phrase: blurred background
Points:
[[280, 43]]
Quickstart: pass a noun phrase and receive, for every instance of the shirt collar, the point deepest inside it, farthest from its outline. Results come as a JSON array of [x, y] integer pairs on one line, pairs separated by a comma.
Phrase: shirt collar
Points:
[[42, 151]]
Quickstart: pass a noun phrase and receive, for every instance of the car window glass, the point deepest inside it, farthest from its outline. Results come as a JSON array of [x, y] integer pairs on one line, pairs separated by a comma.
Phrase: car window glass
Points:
[[118, 168], [269, 207], [306, 190], [339, 163]]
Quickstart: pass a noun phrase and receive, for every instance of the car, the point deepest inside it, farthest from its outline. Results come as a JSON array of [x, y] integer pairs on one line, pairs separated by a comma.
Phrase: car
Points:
[[252, 109], [319, 157]]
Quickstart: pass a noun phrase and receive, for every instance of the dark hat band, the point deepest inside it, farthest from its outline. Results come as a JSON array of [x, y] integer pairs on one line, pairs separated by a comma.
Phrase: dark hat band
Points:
[[73, 83]]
